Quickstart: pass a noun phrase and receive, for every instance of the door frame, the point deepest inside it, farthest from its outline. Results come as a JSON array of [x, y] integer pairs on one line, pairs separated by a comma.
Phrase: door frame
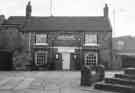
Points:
[[69, 62], [63, 49]]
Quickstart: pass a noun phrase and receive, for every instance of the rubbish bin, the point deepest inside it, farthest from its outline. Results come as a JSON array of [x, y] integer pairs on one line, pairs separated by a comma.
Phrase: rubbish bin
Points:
[[91, 74], [85, 76], [100, 69]]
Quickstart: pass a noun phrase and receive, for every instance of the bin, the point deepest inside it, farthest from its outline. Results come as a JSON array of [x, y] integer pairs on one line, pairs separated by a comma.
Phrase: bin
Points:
[[85, 76], [91, 74], [100, 69]]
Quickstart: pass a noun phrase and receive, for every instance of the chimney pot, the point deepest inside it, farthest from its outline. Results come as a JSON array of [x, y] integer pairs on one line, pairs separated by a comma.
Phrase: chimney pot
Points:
[[28, 9], [106, 10]]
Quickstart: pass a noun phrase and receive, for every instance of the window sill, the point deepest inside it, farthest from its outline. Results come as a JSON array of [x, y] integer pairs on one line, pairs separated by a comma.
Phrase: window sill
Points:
[[41, 44], [92, 44]]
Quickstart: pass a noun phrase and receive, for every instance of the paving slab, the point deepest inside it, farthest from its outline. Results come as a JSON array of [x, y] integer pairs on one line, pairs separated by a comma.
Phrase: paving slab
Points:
[[43, 82], [11, 83], [24, 84], [36, 84], [4, 80]]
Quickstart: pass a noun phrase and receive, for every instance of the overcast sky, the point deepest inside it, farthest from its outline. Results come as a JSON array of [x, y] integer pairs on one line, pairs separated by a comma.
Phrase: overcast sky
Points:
[[122, 12]]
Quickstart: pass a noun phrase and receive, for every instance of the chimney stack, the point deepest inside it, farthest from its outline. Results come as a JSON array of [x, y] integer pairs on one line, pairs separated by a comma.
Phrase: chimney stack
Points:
[[28, 9], [106, 10], [2, 19]]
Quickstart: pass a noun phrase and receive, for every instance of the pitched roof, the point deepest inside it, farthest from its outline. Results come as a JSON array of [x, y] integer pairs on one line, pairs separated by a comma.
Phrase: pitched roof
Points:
[[68, 23]]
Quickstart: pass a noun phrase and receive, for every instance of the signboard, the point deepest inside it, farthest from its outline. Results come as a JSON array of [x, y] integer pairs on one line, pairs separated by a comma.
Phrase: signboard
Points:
[[66, 37]]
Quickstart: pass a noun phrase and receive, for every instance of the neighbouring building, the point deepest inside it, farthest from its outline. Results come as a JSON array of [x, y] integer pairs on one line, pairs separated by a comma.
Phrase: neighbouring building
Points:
[[123, 51], [123, 59], [2, 18], [66, 42]]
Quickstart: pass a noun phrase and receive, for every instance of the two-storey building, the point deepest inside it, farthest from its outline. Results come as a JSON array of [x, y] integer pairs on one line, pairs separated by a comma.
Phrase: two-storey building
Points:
[[66, 42]]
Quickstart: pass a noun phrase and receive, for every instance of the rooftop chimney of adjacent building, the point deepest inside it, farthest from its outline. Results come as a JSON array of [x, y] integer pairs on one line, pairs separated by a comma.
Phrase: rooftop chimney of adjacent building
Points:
[[2, 19], [106, 10], [28, 9]]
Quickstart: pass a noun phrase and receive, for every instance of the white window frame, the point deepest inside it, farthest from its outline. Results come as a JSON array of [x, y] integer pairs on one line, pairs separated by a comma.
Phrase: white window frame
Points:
[[36, 57], [90, 39], [93, 53], [41, 36]]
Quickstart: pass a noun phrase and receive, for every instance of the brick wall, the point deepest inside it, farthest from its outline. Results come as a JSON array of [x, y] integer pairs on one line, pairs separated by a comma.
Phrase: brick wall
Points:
[[53, 39], [104, 39], [105, 51]]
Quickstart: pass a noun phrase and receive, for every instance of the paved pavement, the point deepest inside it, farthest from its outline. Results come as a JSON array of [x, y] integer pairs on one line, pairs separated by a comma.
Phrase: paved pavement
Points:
[[43, 82]]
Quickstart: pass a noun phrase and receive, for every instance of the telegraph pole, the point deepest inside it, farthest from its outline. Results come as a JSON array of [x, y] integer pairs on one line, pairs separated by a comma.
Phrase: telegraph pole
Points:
[[51, 8], [114, 18]]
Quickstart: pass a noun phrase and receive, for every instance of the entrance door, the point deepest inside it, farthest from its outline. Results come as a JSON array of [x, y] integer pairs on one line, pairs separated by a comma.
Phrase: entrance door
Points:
[[5, 60], [66, 60]]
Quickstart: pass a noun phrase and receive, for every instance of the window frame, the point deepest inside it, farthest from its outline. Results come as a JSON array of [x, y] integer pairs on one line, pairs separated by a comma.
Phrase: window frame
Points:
[[45, 36], [94, 41], [93, 58], [45, 56]]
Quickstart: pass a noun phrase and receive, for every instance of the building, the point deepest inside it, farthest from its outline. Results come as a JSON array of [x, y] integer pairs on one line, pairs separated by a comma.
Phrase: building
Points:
[[66, 42], [123, 59], [123, 52]]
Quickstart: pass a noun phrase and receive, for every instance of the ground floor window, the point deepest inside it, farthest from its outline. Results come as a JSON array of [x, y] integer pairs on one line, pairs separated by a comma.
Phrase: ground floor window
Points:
[[91, 58], [41, 57]]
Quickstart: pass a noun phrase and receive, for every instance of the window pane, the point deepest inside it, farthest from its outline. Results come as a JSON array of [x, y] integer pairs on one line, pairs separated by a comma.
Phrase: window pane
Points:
[[41, 38], [41, 58], [90, 38], [91, 59]]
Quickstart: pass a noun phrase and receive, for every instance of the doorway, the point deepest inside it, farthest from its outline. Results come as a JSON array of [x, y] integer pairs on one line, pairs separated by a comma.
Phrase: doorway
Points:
[[5, 60], [66, 61], [66, 55]]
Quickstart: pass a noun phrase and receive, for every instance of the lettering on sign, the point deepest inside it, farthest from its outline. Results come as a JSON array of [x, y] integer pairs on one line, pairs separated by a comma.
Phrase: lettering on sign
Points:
[[66, 37]]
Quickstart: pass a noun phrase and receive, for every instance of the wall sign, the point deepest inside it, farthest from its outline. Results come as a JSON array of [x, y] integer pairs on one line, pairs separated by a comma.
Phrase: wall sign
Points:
[[66, 37]]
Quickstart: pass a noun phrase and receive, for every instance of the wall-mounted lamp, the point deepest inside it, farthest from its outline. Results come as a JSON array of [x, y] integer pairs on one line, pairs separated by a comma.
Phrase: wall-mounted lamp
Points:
[[75, 56], [79, 39], [57, 56]]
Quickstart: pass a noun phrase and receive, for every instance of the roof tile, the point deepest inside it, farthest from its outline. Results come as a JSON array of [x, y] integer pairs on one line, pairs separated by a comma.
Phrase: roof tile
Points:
[[61, 23]]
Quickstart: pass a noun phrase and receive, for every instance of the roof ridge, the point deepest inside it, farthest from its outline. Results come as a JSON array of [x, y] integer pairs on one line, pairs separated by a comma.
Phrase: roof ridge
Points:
[[57, 17], [88, 23]]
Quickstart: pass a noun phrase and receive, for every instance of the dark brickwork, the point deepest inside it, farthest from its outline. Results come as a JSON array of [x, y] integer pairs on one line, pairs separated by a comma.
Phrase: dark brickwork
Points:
[[67, 31], [105, 53], [104, 40]]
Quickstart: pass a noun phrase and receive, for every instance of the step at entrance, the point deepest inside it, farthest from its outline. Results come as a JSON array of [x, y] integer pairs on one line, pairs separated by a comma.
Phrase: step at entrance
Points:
[[130, 71], [114, 88], [125, 76], [120, 81], [123, 83]]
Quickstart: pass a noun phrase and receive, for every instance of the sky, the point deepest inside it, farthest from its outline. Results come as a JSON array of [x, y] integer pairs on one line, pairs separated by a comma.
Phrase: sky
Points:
[[121, 12]]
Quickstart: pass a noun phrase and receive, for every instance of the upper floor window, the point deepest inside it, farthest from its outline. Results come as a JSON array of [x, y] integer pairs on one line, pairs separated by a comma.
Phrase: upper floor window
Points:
[[90, 38], [41, 38], [120, 44]]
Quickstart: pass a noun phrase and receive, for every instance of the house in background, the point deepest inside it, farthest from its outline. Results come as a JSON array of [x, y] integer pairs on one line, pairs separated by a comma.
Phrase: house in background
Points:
[[123, 52], [66, 43], [2, 19]]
